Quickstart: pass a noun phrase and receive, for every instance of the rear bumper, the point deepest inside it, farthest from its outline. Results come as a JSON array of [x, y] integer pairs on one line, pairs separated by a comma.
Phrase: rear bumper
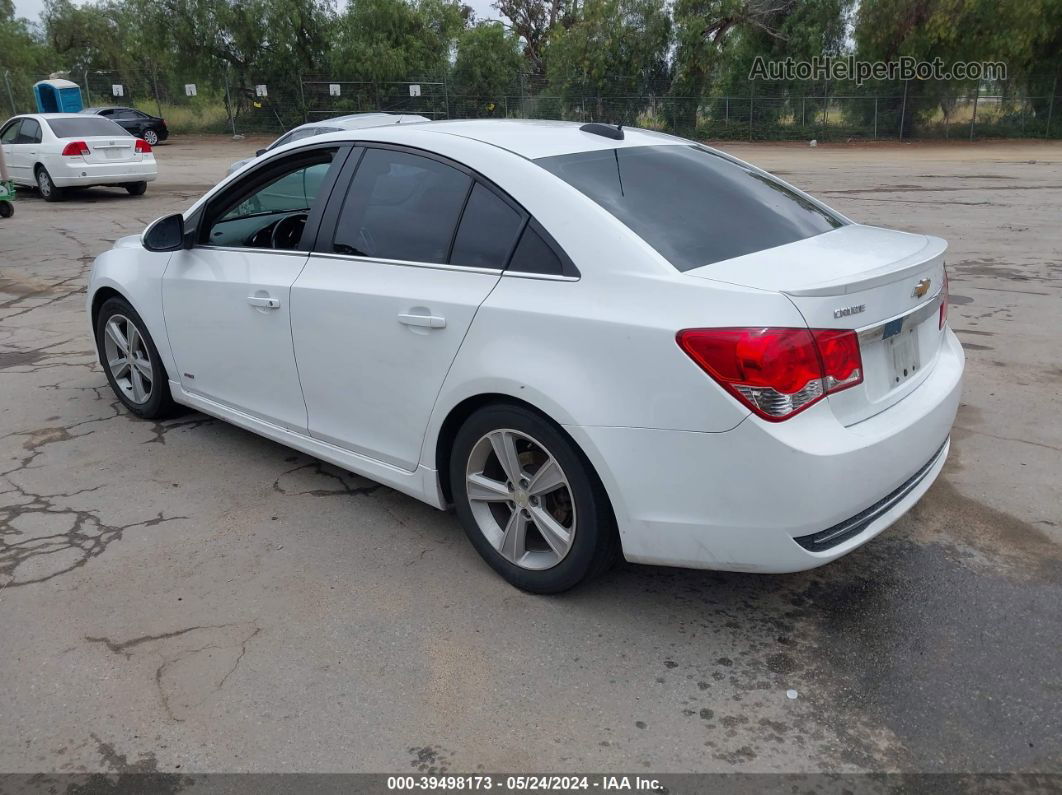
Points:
[[66, 175], [763, 496]]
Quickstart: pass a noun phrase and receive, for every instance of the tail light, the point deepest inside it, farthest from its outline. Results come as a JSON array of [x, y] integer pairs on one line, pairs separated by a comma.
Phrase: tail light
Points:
[[142, 146], [75, 149], [944, 301], [776, 372]]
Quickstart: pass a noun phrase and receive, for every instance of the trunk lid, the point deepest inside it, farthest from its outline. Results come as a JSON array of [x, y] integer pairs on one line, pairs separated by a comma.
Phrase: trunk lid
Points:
[[113, 149], [882, 283]]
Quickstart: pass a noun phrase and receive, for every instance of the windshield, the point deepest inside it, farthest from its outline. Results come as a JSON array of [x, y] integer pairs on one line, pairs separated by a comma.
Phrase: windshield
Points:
[[694, 206], [86, 127]]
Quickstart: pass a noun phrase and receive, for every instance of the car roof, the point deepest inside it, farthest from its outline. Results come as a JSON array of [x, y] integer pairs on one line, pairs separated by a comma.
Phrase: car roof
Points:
[[530, 138], [356, 121]]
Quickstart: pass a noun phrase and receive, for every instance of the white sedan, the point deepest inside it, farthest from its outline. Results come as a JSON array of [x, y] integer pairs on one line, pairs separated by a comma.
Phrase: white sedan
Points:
[[354, 121], [586, 339], [55, 151]]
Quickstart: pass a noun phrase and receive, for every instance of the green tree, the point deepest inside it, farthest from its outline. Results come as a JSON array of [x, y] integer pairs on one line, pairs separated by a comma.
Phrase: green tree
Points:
[[618, 49], [534, 20], [704, 33], [488, 63], [391, 40]]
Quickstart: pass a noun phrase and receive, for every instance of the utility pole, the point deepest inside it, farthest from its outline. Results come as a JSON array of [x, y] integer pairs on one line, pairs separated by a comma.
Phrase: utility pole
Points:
[[10, 93]]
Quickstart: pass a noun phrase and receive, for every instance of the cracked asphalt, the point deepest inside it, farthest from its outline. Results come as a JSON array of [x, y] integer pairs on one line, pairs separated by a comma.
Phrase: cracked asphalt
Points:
[[184, 596]]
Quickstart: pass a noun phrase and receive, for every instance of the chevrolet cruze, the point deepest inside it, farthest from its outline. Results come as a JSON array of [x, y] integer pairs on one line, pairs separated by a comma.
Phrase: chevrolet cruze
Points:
[[588, 340]]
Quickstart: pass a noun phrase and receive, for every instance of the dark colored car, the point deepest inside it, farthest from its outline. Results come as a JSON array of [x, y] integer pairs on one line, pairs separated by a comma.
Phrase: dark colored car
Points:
[[151, 128]]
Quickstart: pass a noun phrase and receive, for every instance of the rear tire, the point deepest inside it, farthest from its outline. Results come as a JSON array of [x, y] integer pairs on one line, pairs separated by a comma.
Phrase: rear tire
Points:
[[136, 188], [7, 209], [543, 538], [138, 380], [48, 189], [150, 136]]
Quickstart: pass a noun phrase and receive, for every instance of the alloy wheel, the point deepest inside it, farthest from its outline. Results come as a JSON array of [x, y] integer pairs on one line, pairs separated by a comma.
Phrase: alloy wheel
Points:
[[151, 137], [128, 359], [44, 183], [521, 499]]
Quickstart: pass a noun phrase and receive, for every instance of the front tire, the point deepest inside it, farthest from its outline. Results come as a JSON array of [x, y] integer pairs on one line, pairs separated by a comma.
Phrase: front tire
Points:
[[48, 189], [131, 361], [136, 188], [529, 501]]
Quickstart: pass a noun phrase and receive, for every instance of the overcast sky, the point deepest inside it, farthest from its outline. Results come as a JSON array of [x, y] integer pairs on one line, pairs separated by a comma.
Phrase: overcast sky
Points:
[[31, 9]]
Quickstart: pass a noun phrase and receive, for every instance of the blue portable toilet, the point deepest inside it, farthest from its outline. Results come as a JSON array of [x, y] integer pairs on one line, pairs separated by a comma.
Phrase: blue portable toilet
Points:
[[57, 96]]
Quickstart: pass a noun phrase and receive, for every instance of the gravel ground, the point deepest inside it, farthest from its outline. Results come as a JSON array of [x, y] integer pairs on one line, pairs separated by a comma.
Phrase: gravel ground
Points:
[[185, 596]]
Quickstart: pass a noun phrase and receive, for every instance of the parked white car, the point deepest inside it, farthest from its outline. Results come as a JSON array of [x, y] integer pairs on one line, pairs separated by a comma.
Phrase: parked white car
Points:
[[354, 121], [583, 338], [54, 151]]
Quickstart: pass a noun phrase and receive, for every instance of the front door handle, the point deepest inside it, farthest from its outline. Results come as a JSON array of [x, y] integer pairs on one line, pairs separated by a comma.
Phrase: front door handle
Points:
[[427, 321], [265, 303]]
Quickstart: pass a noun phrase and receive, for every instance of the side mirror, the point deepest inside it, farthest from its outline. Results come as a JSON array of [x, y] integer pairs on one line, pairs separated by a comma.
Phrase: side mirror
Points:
[[165, 234], [260, 152]]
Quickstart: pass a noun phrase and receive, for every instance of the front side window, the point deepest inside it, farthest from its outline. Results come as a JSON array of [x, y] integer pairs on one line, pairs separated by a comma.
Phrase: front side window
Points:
[[401, 206], [693, 206], [10, 133], [273, 211]]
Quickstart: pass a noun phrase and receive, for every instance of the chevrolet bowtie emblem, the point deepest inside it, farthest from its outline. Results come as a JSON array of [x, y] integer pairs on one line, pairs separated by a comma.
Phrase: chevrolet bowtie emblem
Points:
[[921, 288]]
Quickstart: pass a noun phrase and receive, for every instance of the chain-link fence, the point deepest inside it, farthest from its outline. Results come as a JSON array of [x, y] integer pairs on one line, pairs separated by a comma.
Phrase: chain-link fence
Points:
[[224, 102]]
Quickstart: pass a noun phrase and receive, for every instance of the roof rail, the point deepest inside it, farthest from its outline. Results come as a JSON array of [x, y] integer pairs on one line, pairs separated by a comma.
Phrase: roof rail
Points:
[[605, 130]]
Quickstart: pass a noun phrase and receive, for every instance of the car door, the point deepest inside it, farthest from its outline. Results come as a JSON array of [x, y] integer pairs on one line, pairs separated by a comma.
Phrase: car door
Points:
[[29, 150], [410, 248], [126, 119], [9, 139], [227, 298]]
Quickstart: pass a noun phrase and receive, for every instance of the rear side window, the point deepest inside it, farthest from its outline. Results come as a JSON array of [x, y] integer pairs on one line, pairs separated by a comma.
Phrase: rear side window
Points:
[[534, 255], [31, 132], [693, 206], [85, 127], [401, 206], [488, 231]]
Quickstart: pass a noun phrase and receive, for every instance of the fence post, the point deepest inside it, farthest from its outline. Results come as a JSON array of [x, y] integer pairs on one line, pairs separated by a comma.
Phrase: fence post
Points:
[[155, 83], [1051, 108], [875, 117], [88, 95], [446, 97], [826, 111], [726, 120], [903, 108], [228, 102], [750, 110], [10, 93], [803, 99], [302, 99], [973, 118]]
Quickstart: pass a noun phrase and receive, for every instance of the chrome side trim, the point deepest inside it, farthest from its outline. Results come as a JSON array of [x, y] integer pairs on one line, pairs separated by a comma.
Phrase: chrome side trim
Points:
[[439, 266], [908, 319]]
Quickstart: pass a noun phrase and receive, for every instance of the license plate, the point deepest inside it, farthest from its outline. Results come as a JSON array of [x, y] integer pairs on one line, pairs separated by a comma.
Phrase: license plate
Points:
[[115, 153], [903, 352]]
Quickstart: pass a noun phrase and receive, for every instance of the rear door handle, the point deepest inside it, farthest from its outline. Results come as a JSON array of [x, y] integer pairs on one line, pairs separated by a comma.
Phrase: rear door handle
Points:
[[427, 321], [267, 303]]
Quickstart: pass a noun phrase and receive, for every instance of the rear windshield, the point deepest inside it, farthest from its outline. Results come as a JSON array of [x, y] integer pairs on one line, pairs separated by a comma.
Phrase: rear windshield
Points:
[[693, 206], [84, 128]]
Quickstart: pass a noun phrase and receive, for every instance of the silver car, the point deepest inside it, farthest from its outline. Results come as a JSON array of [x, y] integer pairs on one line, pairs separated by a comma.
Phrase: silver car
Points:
[[354, 121]]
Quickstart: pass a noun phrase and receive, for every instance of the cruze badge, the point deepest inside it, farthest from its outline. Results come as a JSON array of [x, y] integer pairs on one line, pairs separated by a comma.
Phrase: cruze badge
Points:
[[845, 311], [921, 288]]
